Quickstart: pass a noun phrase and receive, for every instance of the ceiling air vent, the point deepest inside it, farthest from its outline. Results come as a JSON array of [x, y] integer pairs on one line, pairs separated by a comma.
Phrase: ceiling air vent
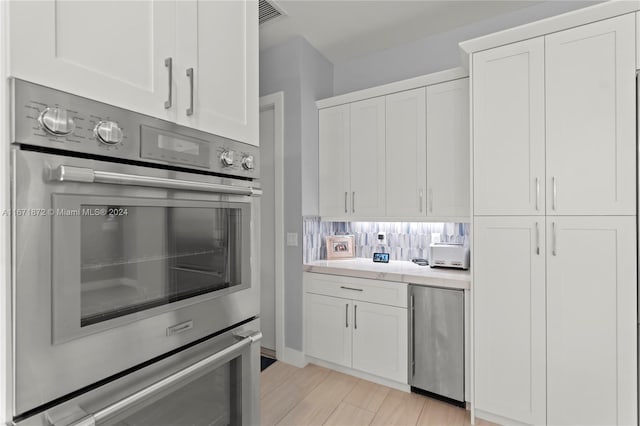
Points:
[[268, 11]]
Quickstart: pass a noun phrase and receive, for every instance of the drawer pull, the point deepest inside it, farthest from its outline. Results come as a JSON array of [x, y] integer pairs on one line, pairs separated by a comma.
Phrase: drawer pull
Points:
[[351, 288]]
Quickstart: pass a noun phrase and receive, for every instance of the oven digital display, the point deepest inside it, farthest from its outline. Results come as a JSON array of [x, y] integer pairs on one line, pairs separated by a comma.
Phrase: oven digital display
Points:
[[178, 145]]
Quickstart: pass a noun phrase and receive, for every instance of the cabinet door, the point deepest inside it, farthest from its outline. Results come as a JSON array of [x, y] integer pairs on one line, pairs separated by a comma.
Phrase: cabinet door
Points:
[[508, 129], [591, 95], [219, 40], [109, 51], [333, 139], [448, 149], [591, 321], [328, 328], [380, 341], [406, 153], [509, 314], [368, 158]]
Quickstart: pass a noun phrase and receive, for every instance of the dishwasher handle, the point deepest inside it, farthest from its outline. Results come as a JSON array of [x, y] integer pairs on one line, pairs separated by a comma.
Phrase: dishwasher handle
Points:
[[160, 385], [85, 175]]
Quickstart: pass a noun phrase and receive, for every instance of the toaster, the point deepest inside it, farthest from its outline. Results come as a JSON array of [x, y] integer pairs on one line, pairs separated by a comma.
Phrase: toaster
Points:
[[449, 255]]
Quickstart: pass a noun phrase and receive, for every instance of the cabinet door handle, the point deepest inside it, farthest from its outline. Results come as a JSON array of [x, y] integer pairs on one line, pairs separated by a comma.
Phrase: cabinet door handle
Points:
[[537, 239], [430, 200], [420, 196], [351, 288], [355, 317], [190, 76], [413, 335], [353, 202], [345, 202], [555, 193], [554, 246], [537, 194], [169, 64], [346, 315]]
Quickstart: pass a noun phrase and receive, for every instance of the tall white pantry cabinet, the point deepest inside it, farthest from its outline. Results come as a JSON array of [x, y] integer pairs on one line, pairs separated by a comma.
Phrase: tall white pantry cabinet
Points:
[[554, 215], [193, 62]]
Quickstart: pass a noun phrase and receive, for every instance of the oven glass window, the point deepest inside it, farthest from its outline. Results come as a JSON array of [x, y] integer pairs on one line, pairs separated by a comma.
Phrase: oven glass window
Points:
[[213, 399], [134, 258]]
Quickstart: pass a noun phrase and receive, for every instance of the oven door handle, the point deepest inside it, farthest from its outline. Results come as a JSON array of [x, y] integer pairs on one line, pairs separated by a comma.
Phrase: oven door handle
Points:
[[82, 174], [126, 403]]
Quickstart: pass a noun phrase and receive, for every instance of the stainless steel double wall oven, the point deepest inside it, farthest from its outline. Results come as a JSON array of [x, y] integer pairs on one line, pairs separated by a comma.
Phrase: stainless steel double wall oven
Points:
[[134, 267]]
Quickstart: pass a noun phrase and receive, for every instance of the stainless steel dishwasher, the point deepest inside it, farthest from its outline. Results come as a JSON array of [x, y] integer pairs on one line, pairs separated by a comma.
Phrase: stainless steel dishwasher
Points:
[[436, 324]]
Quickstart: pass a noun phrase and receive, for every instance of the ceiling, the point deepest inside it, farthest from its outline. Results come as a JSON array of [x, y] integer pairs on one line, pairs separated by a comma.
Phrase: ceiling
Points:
[[345, 29]]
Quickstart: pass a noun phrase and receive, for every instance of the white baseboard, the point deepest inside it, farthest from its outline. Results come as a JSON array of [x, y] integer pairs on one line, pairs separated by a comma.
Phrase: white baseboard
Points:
[[293, 357], [496, 419], [359, 374]]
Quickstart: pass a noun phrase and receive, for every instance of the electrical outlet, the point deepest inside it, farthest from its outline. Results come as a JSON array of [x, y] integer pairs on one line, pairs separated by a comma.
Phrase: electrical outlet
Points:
[[382, 238], [292, 239]]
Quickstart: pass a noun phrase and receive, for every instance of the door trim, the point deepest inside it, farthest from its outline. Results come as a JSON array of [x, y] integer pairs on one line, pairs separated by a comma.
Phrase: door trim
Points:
[[276, 101]]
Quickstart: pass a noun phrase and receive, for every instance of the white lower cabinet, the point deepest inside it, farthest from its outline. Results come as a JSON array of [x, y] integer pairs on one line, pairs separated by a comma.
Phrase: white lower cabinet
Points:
[[380, 340], [509, 317], [591, 320], [555, 319], [351, 332], [329, 330]]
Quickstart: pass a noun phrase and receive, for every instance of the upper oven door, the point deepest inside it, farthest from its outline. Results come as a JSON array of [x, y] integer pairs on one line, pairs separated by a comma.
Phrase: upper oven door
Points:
[[118, 259], [116, 264]]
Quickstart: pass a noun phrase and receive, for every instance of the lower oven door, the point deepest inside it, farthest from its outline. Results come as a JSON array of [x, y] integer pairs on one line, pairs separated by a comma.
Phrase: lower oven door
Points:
[[212, 383], [116, 264]]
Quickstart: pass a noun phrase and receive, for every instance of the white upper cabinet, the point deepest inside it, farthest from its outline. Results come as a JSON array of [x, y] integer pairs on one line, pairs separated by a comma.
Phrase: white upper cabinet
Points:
[[448, 149], [509, 317], [220, 43], [114, 52], [135, 55], [406, 153], [334, 151], [590, 119], [508, 133], [591, 321], [367, 158]]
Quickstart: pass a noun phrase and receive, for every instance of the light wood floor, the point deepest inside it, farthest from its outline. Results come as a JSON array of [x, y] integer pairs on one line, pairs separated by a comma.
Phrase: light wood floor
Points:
[[317, 396]]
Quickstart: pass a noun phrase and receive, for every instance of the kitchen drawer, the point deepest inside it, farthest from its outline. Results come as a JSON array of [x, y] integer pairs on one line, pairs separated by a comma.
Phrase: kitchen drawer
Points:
[[366, 290]]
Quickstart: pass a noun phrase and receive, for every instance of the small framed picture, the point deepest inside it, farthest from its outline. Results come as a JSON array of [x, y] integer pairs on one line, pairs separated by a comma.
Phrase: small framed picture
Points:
[[340, 247]]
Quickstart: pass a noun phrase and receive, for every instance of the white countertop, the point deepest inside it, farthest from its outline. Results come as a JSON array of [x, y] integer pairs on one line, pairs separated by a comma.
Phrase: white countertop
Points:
[[395, 270]]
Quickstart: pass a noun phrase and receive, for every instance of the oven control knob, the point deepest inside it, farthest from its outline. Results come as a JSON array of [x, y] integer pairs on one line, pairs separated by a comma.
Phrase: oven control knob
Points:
[[56, 121], [108, 132], [247, 162], [226, 158]]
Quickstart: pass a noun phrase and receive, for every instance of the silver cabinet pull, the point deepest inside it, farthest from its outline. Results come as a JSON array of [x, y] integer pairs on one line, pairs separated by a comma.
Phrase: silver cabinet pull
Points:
[[355, 317], [190, 76], [413, 335], [169, 64], [351, 288], [554, 243], [555, 192], [346, 315], [353, 202], [430, 200], [537, 239], [345, 202], [537, 194], [162, 385], [420, 196]]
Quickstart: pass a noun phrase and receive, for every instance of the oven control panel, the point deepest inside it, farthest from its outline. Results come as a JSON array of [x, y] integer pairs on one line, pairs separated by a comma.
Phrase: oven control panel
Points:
[[54, 119]]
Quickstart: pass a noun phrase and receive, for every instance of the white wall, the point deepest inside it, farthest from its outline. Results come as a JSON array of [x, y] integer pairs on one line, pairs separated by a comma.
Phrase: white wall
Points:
[[435, 53], [304, 75]]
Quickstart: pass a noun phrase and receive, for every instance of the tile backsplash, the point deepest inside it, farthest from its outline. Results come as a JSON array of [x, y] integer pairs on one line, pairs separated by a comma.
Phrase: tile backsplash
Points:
[[405, 240]]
